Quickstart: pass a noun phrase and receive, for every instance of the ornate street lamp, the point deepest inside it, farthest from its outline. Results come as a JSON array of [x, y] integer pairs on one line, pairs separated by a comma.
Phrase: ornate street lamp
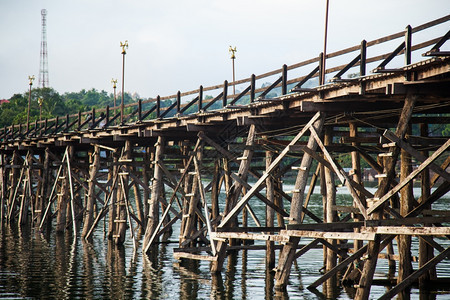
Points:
[[233, 57], [30, 78], [114, 82], [124, 46]]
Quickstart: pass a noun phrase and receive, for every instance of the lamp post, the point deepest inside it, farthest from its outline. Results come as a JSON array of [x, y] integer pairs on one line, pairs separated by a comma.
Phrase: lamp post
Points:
[[114, 81], [322, 80], [233, 57], [30, 78], [124, 46], [40, 101]]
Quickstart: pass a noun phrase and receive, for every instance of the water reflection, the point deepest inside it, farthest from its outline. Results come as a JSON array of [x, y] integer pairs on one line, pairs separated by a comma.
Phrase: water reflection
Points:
[[50, 265]]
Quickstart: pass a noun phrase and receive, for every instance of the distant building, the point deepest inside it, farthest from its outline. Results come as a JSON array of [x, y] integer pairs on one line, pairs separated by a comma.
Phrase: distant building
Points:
[[3, 101]]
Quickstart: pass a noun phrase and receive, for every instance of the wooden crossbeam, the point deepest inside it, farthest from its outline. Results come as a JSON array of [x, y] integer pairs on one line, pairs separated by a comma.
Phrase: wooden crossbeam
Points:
[[249, 236], [408, 148], [263, 178], [400, 230], [415, 275], [179, 255], [364, 236], [410, 177]]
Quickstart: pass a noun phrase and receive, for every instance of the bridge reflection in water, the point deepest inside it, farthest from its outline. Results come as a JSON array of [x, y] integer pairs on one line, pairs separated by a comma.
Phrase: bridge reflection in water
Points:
[[164, 168]]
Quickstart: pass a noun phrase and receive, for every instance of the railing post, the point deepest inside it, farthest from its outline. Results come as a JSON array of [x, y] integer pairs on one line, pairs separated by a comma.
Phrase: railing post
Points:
[[67, 122], [93, 118], [56, 125], [20, 129], [225, 93], [140, 110], [321, 70], [284, 80], [252, 89], [178, 102], [200, 99], [408, 37], [35, 126], [79, 120], [408, 43], [107, 115], [362, 61], [158, 106], [12, 131], [46, 125]]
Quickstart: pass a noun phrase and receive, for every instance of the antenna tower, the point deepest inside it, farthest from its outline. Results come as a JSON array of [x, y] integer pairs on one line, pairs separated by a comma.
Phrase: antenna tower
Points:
[[43, 71]]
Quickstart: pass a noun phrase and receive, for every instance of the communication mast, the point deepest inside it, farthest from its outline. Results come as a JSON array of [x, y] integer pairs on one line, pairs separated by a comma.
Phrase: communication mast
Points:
[[43, 71]]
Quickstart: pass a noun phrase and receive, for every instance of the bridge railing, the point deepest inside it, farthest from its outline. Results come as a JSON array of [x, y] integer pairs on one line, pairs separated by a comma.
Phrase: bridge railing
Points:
[[154, 109]]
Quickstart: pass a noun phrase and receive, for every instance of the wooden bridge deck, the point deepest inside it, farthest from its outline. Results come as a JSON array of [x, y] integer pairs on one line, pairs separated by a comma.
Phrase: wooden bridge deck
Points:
[[78, 171]]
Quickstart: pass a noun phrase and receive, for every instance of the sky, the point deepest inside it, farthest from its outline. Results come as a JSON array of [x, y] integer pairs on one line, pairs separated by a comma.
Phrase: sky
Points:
[[180, 45]]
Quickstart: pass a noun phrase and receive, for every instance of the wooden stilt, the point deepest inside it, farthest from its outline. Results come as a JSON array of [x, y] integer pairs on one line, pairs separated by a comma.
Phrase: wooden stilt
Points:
[[233, 196], [153, 214], [365, 282], [406, 205], [215, 190], [191, 218], [89, 208], [288, 252], [426, 251], [330, 203], [270, 214], [114, 191], [356, 168], [121, 210], [14, 177]]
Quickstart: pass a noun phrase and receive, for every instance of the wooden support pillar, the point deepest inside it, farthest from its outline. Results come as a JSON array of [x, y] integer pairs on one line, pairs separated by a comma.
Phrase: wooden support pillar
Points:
[[331, 215], [357, 177], [138, 199], [89, 209], [192, 204], [62, 197], [41, 196], [426, 251], [113, 169], [187, 187], [14, 178], [145, 178], [3, 186], [288, 253], [27, 193], [233, 196], [215, 191], [406, 205], [121, 211], [365, 282], [270, 213], [153, 212]]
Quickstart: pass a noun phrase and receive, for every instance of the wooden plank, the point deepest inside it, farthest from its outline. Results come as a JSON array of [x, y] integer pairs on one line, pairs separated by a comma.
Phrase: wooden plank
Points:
[[396, 230], [249, 236], [410, 177], [179, 255], [407, 221], [364, 236], [333, 226]]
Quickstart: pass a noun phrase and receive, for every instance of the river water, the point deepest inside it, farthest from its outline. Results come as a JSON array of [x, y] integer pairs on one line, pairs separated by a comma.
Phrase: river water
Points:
[[35, 265]]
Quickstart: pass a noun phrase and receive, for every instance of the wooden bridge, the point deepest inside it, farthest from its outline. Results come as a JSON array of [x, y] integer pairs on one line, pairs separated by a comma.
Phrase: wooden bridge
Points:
[[155, 166]]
